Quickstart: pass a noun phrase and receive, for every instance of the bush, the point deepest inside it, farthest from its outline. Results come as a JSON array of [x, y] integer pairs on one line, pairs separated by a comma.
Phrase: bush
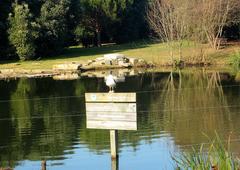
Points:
[[22, 33]]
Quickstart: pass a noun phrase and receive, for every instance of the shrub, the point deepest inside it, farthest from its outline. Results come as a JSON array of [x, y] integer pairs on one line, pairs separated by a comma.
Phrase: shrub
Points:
[[22, 33]]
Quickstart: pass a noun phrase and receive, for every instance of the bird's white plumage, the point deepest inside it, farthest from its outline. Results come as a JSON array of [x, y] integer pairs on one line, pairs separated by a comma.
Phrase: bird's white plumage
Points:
[[110, 82]]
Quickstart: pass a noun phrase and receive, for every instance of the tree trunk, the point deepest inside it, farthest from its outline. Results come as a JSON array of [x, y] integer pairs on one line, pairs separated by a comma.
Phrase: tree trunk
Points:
[[98, 34], [180, 50]]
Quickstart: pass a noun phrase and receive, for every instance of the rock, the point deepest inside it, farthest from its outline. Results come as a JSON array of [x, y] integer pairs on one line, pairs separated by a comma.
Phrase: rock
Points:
[[114, 62], [111, 61], [100, 59], [133, 61], [121, 63], [68, 76], [67, 67], [90, 62], [113, 56], [108, 62], [126, 60]]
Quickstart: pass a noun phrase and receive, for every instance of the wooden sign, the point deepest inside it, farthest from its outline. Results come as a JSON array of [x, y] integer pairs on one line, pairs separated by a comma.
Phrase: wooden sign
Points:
[[110, 97], [114, 111]]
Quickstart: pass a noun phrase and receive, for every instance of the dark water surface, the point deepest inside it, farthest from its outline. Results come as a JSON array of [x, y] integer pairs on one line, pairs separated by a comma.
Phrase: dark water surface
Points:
[[44, 119]]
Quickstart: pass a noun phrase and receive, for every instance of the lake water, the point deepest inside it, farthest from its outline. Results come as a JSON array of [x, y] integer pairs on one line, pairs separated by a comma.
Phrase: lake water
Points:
[[45, 119]]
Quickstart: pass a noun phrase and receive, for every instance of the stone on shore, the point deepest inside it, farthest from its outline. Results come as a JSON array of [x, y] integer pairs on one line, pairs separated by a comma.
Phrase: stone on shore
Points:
[[108, 61], [114, 56], [67, 67], [66, 76]]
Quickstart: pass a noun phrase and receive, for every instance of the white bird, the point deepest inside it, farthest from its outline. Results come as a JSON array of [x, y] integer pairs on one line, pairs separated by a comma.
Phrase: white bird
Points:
[[110, 82]]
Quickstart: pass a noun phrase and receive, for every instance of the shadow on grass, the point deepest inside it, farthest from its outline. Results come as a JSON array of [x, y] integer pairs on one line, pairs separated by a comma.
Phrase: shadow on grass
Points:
[[73, 52], [78, 51], [9, 61]]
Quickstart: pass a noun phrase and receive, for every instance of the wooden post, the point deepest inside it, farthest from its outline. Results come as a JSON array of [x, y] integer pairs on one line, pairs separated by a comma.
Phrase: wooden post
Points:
[[114, 144], [44, 165], [115, 164]]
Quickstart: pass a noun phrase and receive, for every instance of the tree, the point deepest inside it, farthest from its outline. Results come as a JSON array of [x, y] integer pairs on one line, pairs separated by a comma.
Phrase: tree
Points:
[[53, 23], [131, 24], [97, 16], [84, 36], [22, 32], [202, 20], [5, 8], [73, 20], [214, 16], [169, 20]]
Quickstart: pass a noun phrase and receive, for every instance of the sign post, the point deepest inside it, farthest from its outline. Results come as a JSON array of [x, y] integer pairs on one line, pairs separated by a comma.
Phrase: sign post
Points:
[[112, 111], [114, 143]]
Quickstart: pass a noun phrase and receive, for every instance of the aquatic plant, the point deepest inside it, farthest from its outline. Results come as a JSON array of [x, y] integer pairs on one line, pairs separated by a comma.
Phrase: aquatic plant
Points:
[[217, 156]]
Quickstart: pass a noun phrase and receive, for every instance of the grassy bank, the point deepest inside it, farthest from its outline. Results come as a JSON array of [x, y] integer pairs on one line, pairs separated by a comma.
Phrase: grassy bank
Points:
[[150, 51]]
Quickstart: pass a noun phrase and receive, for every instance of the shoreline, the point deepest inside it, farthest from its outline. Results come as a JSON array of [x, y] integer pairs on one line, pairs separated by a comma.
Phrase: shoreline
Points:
[[43, 73], [153, 55]]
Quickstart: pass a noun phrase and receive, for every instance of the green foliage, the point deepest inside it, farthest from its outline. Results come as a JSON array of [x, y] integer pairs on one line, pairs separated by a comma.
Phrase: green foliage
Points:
[[82, 35], [217, 156], [53, 22], [70, 22], [73, 20], [62, 23], [22, 32], [235, 60], [98, 17], [132, 24], [5, 7]]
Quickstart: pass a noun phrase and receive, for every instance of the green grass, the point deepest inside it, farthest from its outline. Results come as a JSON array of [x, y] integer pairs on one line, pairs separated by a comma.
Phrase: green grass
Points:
[[148, 50], [235, 60], [217, 156]]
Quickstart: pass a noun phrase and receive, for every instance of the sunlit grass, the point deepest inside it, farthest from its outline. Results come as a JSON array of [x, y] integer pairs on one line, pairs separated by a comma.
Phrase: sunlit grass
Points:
[[148, 50], [235, 60]]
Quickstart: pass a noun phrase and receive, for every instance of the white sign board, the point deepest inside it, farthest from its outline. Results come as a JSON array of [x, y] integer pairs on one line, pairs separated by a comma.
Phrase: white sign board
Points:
[[114, 111]]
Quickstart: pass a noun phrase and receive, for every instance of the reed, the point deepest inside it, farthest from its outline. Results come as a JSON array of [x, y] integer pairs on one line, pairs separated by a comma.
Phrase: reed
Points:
[[217, 156]]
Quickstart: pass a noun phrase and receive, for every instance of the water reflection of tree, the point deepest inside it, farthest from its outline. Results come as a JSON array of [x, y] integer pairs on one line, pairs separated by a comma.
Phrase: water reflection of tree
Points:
[[167, 109], [55, 129], [193, 104], [49, 134]]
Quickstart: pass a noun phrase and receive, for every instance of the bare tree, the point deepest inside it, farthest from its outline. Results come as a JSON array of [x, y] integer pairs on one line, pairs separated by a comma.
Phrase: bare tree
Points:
[[199, 20], [181, 22], [215, 16], [168, 19]]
